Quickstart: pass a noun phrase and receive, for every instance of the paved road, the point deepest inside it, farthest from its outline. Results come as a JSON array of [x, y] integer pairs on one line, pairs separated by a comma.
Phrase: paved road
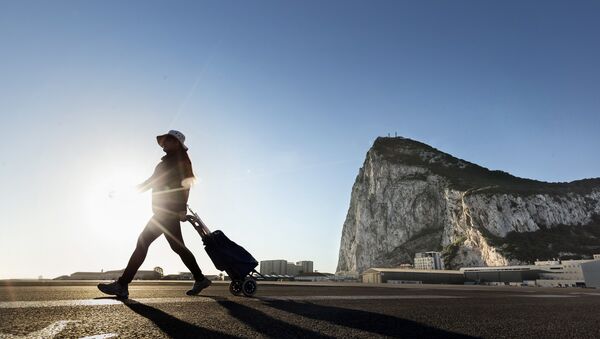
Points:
[[286, 310]]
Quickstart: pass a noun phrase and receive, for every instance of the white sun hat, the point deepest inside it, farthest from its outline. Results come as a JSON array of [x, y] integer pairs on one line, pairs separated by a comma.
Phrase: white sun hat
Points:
[[176, 134]]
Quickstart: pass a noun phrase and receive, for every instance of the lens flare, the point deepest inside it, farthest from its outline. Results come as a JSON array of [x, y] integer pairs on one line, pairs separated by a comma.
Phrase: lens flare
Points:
[[113, 203]]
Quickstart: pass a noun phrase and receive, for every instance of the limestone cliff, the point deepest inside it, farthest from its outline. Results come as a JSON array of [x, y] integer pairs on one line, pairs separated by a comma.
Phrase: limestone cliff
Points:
[[409, 197]]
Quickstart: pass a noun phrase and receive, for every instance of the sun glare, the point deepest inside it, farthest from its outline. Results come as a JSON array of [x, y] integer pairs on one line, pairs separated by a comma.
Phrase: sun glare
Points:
[[113, 203]]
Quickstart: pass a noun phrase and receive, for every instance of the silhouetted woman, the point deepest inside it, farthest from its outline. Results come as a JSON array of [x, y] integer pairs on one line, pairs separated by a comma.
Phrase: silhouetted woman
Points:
[[170, 184]]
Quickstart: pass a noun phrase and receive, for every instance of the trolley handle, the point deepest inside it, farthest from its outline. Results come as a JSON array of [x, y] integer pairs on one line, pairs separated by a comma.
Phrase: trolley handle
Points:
[[200, 223]]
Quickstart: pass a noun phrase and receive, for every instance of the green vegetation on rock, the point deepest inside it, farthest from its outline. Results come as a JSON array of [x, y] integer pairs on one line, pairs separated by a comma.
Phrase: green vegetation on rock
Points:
[[559, 242], [463, 175]]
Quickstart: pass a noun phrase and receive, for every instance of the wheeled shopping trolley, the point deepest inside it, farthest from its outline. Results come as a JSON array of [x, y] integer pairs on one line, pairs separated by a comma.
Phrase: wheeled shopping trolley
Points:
[[229, 257]]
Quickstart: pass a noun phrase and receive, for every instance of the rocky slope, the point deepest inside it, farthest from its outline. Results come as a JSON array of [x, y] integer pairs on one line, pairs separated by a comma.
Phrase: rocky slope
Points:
[[409, 197]]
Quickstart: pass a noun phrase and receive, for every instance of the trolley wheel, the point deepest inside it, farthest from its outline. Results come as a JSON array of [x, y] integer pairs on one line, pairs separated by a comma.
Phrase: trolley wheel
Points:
[[249, 287], [235, 287]]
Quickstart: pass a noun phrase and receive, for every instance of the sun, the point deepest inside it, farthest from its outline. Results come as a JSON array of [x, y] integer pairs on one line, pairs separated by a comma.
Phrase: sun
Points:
[[112, 203]]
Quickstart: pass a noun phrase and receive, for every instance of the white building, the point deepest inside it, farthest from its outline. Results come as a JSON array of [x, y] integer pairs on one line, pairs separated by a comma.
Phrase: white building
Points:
[[569, 273], [270, 267], [283, 267], [549, 273], [429, 261], [293, 269], [305, 266]]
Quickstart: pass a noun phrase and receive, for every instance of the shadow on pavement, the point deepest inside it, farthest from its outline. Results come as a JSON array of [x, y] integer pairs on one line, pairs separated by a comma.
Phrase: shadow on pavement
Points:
[[365, 321], [170, 325], [263, 323]]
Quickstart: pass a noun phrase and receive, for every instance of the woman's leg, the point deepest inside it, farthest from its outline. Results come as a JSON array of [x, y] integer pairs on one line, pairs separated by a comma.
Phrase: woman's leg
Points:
[[152, 231], [173, 234]]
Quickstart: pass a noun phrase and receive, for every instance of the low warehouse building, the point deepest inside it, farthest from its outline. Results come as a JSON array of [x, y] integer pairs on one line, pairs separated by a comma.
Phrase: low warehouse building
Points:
[[412, 276], [501, 274]]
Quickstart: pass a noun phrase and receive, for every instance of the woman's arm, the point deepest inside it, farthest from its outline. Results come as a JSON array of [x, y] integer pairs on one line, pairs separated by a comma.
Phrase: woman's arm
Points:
[[147, 184]]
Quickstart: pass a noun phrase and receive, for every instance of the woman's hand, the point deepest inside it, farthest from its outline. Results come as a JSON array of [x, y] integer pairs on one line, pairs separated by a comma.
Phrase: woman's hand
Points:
[[143, 187], [182, 216]]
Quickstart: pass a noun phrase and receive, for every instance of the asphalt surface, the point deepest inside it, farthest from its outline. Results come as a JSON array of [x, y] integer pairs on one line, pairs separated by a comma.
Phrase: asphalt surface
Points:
[[288, 310]]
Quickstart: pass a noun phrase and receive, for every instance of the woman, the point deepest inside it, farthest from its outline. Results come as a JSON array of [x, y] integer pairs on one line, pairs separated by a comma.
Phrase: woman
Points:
[[170, 185]]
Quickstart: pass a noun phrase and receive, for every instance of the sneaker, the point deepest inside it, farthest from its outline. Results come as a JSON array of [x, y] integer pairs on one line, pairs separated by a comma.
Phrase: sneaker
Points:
[[199, 285], [115, 288]]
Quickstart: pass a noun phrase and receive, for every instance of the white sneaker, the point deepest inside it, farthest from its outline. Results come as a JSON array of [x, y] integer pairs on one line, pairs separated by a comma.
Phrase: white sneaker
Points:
[[115, 288]]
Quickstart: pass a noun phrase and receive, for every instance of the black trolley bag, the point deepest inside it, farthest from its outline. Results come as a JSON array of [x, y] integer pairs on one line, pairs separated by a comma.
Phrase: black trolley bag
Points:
[[228, 256]]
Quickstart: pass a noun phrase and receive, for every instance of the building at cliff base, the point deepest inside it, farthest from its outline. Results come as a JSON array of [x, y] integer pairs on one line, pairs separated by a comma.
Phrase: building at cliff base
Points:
[[429, 261], [571, 273], [412, 276], [554, 273]]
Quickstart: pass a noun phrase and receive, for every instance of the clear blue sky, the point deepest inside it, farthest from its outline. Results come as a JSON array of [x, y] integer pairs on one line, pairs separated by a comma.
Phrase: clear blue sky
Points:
[[280, 102]]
